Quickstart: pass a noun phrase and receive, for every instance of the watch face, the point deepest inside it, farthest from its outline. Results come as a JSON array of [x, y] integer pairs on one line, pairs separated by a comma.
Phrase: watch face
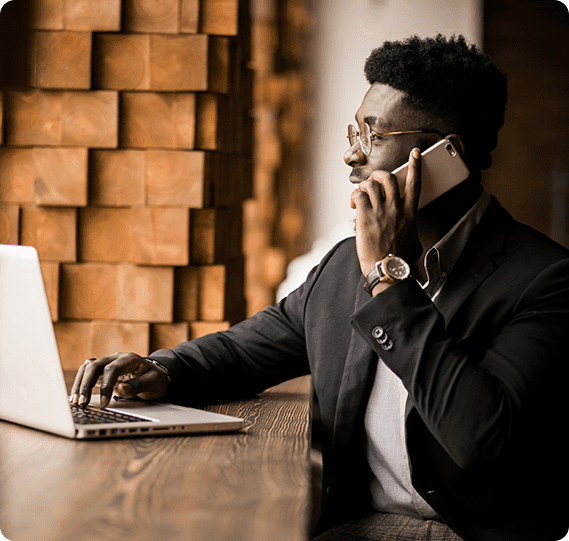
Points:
[[396, 268]]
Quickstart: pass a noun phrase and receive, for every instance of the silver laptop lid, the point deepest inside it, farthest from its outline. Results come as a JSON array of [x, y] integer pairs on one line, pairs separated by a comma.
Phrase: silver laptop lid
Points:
[[32, 387]]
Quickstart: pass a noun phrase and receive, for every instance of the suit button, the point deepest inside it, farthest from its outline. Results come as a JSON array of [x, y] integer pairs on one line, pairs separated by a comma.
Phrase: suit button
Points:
[[377, 332], [383, 339], [387, 345]]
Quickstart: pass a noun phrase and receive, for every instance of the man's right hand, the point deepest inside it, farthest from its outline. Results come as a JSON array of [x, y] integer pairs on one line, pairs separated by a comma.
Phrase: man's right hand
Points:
[[125, 374], [386, 222]]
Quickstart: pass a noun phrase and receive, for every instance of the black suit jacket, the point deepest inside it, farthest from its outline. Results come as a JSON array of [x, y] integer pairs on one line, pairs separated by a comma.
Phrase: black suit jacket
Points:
[[485, 367]]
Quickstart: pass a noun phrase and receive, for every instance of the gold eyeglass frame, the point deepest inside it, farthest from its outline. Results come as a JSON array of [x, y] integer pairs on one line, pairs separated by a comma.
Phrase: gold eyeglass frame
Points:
[[355, 135]]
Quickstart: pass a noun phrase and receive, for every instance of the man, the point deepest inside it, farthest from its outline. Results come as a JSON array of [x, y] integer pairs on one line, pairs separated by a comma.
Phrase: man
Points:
[[441, 395]]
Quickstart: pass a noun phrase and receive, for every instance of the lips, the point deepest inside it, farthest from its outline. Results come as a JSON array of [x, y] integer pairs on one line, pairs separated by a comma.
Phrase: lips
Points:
[[356, 177]]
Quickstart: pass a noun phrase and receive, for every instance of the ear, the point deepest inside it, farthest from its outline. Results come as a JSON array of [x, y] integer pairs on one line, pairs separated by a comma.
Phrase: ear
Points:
[[458, 143]]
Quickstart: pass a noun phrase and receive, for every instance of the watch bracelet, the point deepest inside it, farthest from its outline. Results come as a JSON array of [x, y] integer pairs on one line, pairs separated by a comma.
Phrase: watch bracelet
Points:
[[162, 369], [368, 286]]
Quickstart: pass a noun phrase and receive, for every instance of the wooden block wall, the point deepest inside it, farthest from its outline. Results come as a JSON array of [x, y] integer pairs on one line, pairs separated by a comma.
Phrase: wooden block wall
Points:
[[125, 161], [277, 217]]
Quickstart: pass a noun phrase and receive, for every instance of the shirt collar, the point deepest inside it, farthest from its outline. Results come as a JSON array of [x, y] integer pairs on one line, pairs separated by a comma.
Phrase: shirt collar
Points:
[[440, 259]]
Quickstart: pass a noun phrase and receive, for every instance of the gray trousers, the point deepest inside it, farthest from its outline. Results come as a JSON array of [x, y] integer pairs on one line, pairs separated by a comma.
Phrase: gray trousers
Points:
[[389, 527]]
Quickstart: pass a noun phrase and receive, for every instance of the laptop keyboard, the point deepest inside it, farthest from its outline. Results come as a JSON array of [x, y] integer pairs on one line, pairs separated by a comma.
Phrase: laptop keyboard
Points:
[[90, 416]]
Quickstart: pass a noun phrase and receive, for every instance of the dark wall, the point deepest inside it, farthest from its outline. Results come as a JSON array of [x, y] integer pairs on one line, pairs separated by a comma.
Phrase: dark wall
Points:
[[15, 43], [529, 40]]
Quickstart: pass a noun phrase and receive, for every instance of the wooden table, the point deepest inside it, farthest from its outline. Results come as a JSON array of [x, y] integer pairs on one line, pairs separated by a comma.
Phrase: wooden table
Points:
[[251, 485]]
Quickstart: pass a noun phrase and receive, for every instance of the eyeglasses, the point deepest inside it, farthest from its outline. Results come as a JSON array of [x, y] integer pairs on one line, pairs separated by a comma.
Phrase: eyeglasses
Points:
[[366, 136]]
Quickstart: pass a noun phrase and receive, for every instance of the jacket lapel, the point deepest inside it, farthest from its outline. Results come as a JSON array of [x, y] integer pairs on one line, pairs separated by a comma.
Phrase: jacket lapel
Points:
[[456, 291], [476, 262]]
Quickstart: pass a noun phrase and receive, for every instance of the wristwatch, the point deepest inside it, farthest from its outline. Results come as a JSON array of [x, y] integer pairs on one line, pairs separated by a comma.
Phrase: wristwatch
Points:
[[390, 269]]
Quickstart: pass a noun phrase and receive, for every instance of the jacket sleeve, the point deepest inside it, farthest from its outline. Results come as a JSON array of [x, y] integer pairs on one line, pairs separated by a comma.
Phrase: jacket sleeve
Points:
[[249, 357], [480, 396]]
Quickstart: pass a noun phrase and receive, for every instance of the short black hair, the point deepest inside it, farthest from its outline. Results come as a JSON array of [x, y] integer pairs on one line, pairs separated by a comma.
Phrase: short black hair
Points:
[[451, 80]]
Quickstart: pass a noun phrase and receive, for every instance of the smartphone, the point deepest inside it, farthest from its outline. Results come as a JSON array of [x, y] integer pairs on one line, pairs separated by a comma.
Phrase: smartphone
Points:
[[442, 169]]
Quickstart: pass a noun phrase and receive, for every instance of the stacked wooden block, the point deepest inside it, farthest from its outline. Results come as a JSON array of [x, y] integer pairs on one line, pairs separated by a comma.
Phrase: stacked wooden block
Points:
[[296, 50], [125, 163], [277, 217]]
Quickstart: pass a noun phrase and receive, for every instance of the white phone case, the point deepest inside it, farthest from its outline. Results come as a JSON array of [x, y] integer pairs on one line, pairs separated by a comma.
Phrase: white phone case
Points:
[[442, 169]]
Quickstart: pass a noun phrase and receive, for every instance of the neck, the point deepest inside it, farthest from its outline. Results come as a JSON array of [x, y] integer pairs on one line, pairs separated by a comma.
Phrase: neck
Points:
[[438, 217]]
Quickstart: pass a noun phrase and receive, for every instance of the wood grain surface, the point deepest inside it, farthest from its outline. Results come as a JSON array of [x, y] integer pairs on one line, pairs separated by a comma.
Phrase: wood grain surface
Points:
[[251, 485]]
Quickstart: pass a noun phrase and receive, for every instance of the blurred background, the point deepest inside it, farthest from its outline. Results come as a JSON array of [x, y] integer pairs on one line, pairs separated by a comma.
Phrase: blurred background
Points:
[[170, 159]]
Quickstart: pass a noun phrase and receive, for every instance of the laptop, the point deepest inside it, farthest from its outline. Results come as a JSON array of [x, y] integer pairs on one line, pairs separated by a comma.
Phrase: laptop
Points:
[[32, 385]]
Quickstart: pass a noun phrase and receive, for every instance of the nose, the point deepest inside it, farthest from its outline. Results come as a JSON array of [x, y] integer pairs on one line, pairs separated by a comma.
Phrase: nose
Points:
[[354, 155]]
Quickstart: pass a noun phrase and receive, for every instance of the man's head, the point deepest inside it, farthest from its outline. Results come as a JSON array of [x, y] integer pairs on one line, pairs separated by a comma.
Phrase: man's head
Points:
[[449, 85]]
